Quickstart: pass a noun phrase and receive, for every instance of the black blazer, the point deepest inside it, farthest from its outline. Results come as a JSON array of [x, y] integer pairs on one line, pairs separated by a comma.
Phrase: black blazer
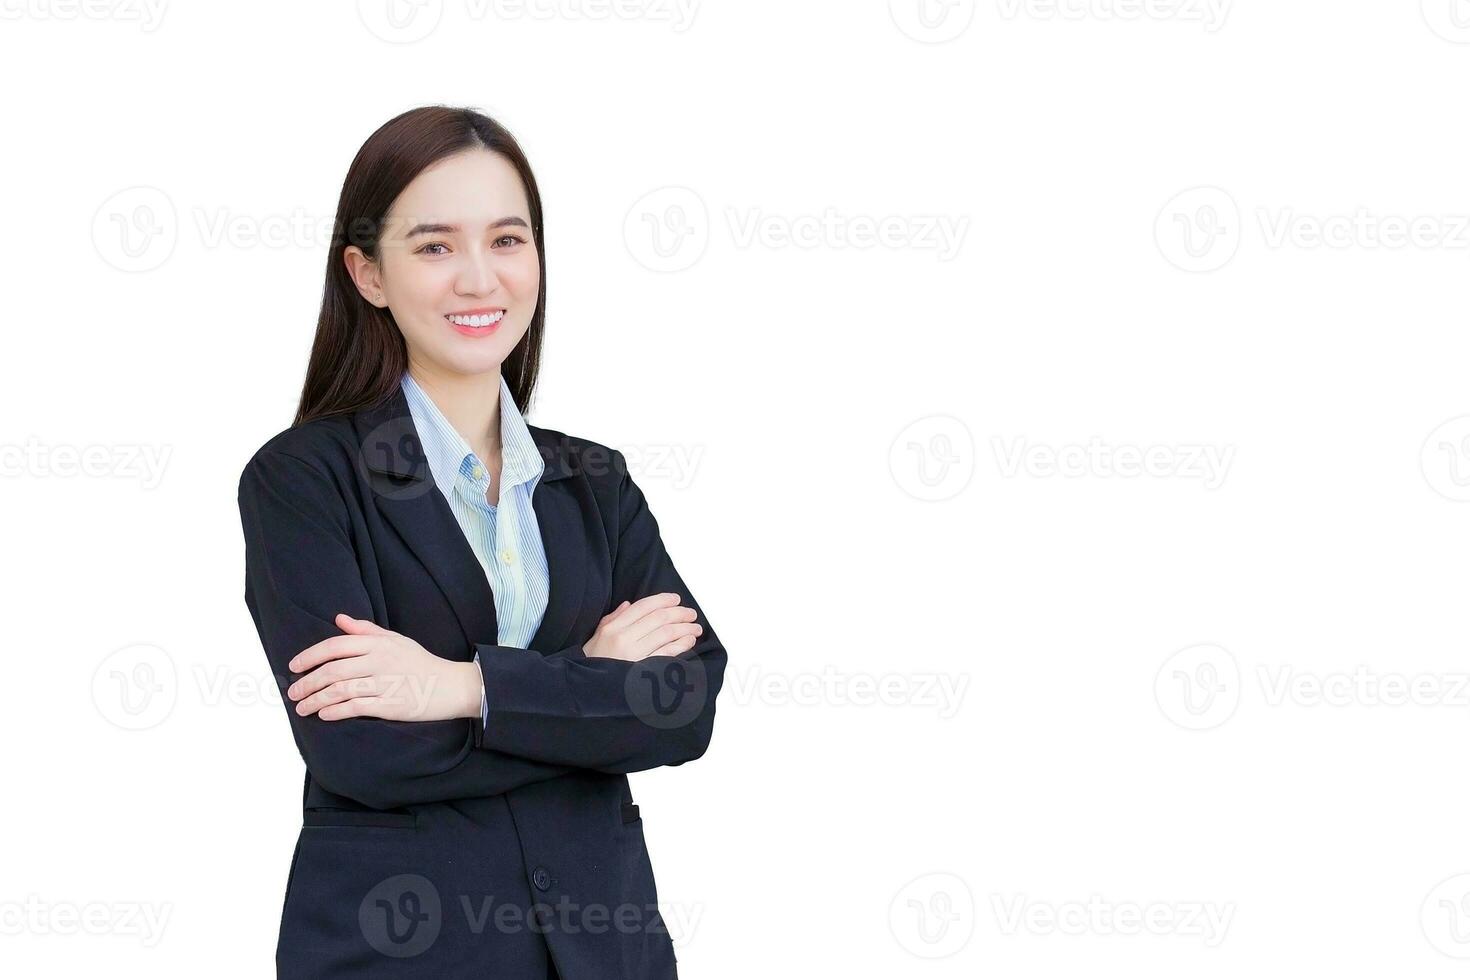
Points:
[[450, 849]]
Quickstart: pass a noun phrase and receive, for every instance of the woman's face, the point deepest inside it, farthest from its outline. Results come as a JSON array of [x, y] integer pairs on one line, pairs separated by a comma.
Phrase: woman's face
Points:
[[456, 243]]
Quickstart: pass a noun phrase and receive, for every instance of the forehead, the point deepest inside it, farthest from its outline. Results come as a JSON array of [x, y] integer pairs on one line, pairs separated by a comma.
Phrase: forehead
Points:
[[470, 189]]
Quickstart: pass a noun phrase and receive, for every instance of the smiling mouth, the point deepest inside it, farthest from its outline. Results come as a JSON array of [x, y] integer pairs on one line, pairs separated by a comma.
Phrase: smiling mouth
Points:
[[475, 319]]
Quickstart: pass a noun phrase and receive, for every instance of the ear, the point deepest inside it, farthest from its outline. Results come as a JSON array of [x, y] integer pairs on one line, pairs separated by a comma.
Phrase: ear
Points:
[[365, 275]]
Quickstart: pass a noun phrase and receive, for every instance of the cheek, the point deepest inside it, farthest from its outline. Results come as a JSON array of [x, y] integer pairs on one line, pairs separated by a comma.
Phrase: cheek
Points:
[[523, 276], [418, 285]]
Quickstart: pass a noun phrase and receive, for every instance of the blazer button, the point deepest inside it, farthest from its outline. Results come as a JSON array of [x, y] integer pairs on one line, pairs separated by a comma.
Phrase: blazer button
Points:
[[541, 879]]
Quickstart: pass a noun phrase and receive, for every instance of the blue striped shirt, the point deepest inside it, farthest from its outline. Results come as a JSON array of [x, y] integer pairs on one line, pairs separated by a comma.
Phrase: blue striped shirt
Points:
[[504, 537]]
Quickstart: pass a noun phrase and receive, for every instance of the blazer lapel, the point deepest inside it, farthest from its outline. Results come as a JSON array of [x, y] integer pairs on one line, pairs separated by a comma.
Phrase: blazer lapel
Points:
[[392, 461], [560, 519]]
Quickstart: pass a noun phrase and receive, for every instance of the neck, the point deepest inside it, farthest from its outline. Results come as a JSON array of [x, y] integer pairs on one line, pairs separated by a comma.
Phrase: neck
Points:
[[471, 403]]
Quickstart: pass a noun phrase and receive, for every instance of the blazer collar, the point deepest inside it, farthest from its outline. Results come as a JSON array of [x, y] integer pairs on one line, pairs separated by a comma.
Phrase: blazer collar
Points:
[[391, 459], [402, 454], [447, 451]]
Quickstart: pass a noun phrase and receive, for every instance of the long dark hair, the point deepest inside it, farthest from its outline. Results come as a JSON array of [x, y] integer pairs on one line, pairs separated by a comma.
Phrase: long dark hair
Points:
[[359, 354]]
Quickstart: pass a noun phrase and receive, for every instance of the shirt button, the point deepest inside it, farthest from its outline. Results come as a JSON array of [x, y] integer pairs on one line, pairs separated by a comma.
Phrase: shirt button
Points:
[[541, 879], [478, 472], [507, 556]]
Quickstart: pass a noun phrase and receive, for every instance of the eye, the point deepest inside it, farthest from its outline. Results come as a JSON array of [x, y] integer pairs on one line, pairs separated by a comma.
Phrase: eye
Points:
[[427, 245], [515, 239]]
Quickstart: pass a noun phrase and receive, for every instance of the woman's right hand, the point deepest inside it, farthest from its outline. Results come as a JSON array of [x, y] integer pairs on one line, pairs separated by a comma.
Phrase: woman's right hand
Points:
[[655, 626]]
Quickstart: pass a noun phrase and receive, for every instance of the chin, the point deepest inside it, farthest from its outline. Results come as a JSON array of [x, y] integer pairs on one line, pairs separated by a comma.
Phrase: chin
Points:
[[481, 362]]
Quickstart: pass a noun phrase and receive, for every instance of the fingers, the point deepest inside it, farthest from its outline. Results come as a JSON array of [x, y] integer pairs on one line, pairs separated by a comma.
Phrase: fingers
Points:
[[347, 645], [364, 626], [676, 647], [644, 606], [670, 634], [337, 692], [363, 707], [329, 673], [659, 618], [621, 606]]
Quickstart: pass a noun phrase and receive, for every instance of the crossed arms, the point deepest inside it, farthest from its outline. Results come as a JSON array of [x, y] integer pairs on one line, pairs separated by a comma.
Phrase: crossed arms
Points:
[[551, 713]]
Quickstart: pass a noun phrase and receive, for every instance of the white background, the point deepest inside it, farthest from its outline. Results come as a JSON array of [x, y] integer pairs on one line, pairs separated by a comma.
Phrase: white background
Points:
[[1205, 719]]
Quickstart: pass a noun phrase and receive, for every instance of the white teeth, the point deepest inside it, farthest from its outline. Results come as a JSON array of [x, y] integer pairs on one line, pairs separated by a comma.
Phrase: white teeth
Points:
[[482, 320]]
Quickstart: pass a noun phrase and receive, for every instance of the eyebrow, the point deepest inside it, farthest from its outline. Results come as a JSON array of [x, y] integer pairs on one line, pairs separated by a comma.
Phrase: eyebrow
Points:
[[424, 228]]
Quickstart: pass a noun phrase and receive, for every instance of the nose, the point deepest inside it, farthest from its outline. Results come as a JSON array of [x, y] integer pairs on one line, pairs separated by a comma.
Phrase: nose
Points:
[[476, 273]]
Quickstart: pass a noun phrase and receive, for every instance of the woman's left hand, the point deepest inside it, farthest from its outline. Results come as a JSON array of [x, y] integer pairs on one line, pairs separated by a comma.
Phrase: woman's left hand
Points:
[[371, 672]]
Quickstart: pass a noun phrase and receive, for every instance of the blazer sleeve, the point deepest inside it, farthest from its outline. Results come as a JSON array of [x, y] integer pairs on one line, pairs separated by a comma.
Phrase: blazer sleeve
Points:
[[300, 571], [598, 713]]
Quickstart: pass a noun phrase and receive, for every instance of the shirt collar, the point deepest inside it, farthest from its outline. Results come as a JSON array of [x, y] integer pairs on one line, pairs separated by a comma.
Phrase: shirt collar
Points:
[[449, 455]]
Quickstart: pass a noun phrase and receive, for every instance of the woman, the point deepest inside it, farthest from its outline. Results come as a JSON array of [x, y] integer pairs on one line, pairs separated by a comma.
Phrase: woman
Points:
[[475, 623]]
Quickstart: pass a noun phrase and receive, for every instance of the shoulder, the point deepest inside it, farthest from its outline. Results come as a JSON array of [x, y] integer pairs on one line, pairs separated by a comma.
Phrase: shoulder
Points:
[[331, 448], [326, 445], [579, 456]]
